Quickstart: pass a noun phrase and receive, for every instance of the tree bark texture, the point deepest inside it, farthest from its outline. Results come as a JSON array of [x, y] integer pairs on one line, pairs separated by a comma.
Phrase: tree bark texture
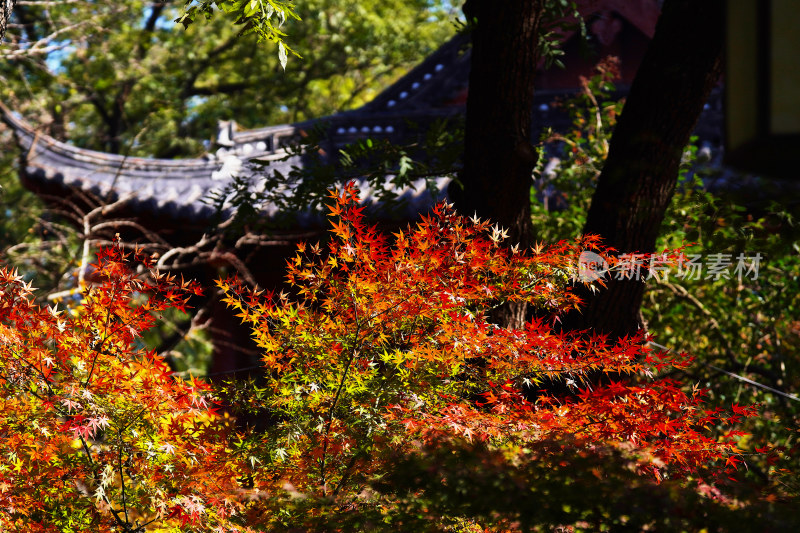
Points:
[[679, 70], [499, 156], [6, 7]]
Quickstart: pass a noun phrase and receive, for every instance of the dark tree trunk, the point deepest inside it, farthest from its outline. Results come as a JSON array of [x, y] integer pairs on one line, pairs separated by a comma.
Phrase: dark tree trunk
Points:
[[681, 66], [498, 156], [6, 7]]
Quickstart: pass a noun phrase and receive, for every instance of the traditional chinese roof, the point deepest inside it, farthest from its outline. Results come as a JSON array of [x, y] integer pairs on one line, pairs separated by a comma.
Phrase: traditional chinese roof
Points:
[[175, 189]]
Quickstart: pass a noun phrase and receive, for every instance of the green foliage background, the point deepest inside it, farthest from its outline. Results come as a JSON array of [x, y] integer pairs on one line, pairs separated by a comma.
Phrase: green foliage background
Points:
[[126, 78], [748, 328]]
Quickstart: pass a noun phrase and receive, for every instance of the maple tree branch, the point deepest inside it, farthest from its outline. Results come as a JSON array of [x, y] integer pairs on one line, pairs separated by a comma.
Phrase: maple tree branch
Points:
[[97, 347], [351, 358], [115, 512], [122, 478], [348, 471]]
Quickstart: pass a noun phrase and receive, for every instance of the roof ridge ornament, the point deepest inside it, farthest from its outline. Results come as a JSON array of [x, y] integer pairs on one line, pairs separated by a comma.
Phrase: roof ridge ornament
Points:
[[225, 132]]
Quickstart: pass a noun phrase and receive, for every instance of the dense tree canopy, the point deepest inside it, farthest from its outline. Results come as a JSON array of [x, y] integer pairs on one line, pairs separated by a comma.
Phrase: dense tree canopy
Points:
[[123, 77]]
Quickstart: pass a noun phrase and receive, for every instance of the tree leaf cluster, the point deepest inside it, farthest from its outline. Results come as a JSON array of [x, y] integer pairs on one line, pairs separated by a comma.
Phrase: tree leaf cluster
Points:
[[380, 358], [124, 78], [265, 18], [382, 350]]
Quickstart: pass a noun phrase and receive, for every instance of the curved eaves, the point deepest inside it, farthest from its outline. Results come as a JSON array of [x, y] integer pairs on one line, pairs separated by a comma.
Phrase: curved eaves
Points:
[[173, 187]]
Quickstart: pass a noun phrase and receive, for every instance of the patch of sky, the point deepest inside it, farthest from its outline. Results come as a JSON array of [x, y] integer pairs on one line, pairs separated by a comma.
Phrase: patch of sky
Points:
[[451, 8], [193, 102], [192, 105], [55, 59]]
